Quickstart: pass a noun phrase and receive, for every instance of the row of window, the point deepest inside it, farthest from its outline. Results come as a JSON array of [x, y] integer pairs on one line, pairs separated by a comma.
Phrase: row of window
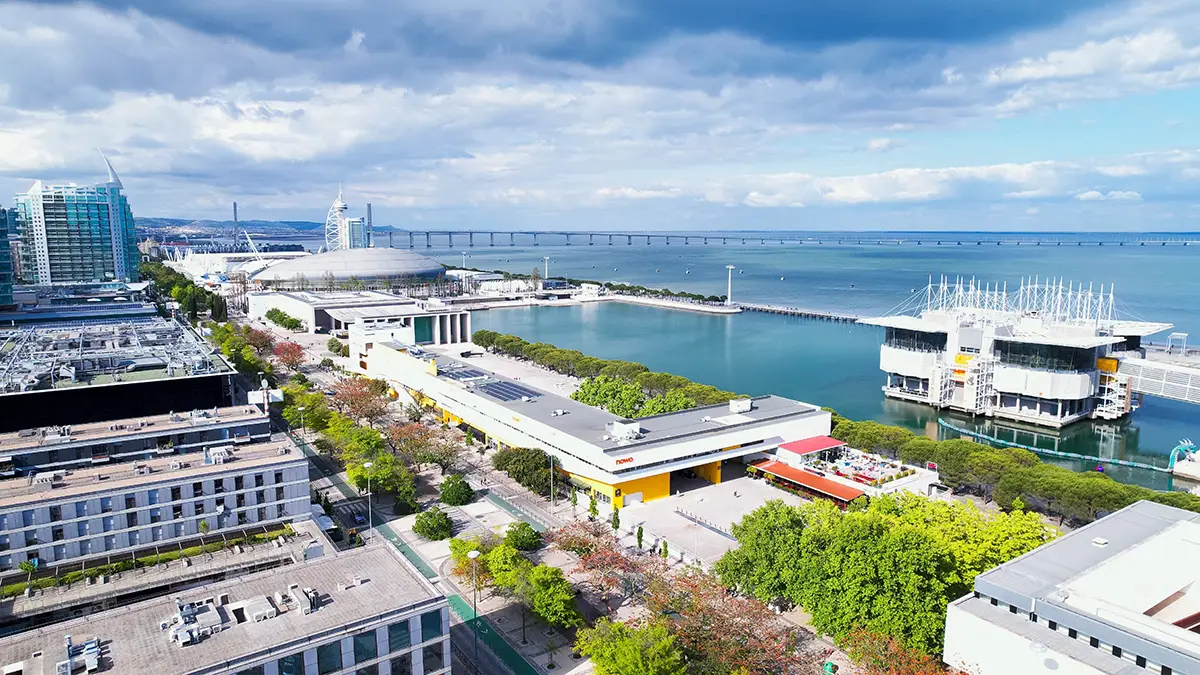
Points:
[[1095, 642], [366, 648], [29, 516]]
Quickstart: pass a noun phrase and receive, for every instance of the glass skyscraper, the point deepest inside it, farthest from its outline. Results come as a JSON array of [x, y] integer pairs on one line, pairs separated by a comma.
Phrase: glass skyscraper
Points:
[[8, 223], [74, 234]]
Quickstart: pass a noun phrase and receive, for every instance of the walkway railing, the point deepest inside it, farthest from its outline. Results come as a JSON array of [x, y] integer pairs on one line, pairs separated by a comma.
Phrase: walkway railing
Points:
[[1052, 453]]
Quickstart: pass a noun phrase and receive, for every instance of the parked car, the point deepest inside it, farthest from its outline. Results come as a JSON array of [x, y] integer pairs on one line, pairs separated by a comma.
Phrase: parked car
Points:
[[360, 519]]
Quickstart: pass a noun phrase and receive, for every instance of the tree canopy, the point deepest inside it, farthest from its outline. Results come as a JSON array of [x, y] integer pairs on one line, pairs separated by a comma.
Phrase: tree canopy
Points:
[[895, 565], [619, 649]]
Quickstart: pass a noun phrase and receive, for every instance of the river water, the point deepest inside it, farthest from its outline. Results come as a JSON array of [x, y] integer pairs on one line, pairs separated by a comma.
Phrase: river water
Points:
[[836, 364]]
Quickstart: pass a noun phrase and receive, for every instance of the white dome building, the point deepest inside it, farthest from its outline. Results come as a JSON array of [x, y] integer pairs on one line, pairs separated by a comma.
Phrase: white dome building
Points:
[[364, 264]]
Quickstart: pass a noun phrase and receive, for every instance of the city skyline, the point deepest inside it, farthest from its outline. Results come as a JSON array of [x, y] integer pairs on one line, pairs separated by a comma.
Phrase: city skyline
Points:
[[621, 116]]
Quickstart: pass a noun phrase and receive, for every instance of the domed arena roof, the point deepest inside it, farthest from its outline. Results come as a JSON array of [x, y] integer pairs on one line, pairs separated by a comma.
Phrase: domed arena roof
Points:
[[361, 263]]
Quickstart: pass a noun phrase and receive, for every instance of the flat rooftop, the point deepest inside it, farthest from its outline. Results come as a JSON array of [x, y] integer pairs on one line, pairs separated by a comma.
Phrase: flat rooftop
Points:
[[150, 425], [115, 477], [325, 299], [1131, 570], [590, 424], [100, 351], [134, 644]]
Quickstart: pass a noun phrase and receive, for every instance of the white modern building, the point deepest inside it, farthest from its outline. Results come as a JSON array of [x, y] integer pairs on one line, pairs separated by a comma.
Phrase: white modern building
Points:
[[1046, 353], [622, 460], [492, 285], [71, 233], [416, 321], [362, 612], [107, 510], [1120, 596], [343, 233]]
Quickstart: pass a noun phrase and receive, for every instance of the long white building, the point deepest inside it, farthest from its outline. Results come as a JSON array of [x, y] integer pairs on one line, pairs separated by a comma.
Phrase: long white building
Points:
[[1047, 353], [622, 460]]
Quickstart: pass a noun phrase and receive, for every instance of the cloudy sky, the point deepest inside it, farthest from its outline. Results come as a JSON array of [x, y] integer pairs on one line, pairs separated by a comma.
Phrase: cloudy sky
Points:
[[618, 114]]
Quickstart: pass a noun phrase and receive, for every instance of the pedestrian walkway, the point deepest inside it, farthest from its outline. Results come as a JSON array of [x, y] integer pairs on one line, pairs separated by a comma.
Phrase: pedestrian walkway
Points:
[[491, 640]]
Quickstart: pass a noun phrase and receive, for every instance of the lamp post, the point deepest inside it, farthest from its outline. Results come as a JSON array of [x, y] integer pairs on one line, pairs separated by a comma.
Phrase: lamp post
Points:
[[370, 514], [474, 555], [729, 290], [546, 274]]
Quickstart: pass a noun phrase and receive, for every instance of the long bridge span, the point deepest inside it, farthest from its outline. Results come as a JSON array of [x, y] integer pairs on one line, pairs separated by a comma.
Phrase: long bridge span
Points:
[[471, 238]]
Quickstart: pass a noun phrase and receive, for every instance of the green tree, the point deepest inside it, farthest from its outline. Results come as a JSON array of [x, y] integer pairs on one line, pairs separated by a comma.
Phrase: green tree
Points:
[[619, 649], [616, 519], [464, 568], [523, 537], [672, 401], [334, 345], [574, 499], [593, 507], [639, 537], [28, 567], [665, 553], [528, 466], [455, 491], [553, 599], [433, 524], [388, 474]]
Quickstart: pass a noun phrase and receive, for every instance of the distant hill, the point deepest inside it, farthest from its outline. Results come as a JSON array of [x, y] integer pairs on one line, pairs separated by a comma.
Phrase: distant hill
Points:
[[259, 225]]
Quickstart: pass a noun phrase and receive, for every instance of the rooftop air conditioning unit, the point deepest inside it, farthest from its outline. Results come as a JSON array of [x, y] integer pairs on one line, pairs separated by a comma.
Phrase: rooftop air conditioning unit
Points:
[[739, 405], [624, 430]]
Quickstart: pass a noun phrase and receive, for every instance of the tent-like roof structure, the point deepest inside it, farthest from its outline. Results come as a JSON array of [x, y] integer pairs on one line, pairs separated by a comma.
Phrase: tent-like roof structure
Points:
[[361, 263]]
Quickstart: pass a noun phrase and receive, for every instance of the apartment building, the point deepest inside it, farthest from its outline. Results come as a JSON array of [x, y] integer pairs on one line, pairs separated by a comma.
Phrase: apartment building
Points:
[[361, 612], [74, 517]]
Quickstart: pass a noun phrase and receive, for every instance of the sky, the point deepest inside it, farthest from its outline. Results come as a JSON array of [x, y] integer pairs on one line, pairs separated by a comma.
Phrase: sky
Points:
[[618, 115]]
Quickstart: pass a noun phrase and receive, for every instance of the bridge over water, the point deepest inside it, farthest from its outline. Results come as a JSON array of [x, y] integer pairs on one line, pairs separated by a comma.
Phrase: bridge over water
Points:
[[472, 238]]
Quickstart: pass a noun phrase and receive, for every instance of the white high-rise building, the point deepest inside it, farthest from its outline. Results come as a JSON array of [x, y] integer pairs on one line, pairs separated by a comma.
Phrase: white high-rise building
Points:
[[342, 232], [72, 233]]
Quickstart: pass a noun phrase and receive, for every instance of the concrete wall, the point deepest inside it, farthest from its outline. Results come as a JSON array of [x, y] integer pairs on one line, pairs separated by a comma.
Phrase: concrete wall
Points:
[[1044, 383], [907, 362], [261, 303], [982, 648]]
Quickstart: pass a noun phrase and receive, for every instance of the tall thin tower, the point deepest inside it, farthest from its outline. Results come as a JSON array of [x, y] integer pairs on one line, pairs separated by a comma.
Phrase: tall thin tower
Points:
[[335, 223]]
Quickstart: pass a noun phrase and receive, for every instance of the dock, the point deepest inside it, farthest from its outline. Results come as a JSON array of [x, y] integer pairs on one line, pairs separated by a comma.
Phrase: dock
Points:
[[800, 312]]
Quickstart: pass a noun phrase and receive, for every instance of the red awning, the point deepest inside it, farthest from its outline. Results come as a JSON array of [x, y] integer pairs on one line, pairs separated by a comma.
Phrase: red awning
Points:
[[834, 489], [811, 445]]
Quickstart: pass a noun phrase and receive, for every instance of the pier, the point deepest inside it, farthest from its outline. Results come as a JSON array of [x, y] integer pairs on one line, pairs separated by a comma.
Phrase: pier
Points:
[[800, 312]]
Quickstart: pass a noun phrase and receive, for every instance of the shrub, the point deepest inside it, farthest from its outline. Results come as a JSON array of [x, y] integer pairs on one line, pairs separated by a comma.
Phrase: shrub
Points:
[[433, 524], [456, 491], [523, 537]]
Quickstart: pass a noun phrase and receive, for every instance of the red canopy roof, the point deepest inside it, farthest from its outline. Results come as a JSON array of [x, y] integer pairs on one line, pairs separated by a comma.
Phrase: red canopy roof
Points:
[[811, 445], [825, 486]]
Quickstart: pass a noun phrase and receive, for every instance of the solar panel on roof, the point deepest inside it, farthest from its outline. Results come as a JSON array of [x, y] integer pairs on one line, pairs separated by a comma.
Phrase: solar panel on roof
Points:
[[507, 391], [463, 374]]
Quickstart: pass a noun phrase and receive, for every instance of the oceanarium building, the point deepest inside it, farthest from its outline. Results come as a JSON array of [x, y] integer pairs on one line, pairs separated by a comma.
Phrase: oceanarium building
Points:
[[1047, 353]]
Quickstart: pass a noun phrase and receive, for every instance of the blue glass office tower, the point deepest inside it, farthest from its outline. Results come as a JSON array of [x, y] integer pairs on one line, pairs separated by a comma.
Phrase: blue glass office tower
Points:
[[8, 223], [77, 234]]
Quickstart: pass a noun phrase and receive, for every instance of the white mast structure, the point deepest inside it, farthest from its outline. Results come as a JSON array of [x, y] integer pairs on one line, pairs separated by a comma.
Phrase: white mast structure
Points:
[[336, 231]]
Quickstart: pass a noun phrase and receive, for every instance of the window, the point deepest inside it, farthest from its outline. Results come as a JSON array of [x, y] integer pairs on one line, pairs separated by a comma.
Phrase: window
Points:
[[1072, 633], [329, 658], [199, 508], [107, 523], [176, 493], [258, 480], [280, 510], [81, 509], [52, 456], [55, 513], [399, 636], [105, 504], [1095, 642], [278, 476], [368, 670], [402, 665], [260, 497], [432, 657], [243, 519], [130, 502], [177, 511], [256, 670], [131, 519], [278, 494], [431, 625], [365, 647], [56, 534], [155, 515], [239, 483], [291, 665], [1053, 625], [262, 514], [197, 489], [152, 497]]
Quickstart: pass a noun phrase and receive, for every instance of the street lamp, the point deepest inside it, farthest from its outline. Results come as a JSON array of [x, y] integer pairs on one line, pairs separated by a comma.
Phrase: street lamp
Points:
[[729, 290], [474, 555], [370, 514], [546, 275]]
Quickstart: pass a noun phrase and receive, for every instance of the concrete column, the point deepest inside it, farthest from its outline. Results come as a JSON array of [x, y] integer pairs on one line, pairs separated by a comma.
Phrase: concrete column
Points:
[[437, 333], [491, 238], [410, 239], [511, 239], [428, 241]]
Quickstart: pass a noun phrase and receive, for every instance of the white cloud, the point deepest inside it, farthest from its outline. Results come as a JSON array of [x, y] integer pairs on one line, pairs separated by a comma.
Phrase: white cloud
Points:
[[1116, 195], [1031, 211], [634, 193], [354, 44], [1120, 171], [883, 144]]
